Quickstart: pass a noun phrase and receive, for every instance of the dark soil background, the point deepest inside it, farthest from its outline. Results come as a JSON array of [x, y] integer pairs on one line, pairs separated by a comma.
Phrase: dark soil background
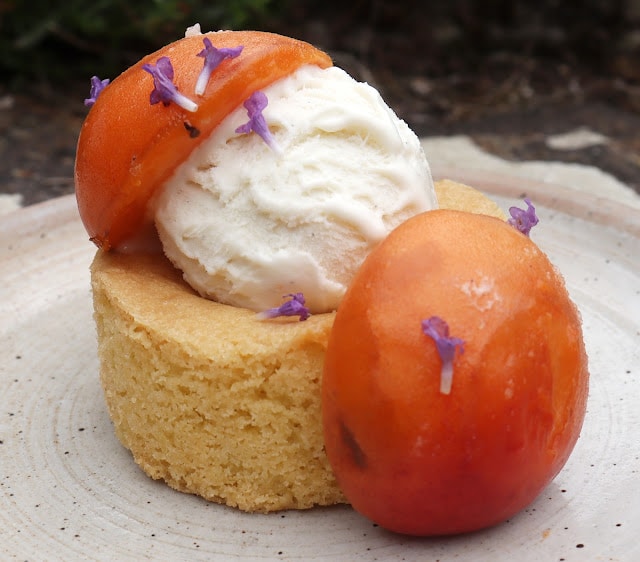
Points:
[[506, 73]]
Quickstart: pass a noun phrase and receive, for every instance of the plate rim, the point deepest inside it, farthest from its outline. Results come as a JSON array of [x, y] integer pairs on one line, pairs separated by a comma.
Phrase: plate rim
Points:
[[552, 195], [597, 209]]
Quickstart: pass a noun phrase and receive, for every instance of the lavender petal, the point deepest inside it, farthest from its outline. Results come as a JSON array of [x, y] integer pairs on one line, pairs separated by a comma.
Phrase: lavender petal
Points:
[[293, 307], [212, 59], [164, 89], [97, 86], [523, 220], [437, 329], [257, 123]]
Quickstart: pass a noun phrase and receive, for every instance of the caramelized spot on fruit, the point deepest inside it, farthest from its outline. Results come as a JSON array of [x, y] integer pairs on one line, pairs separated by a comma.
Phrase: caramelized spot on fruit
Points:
[[357, 454], [193, 131]]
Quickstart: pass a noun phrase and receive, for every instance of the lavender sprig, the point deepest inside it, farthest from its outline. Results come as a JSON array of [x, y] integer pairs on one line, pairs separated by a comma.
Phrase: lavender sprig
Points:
[[436, 328], [164, 89], [523, 220], [293, 307], [257, 123], [212, 58], [97, 86]]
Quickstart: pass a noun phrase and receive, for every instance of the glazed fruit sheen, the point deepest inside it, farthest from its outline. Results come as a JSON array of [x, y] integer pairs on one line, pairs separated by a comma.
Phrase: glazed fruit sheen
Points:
[[455, 380], [119, 166]]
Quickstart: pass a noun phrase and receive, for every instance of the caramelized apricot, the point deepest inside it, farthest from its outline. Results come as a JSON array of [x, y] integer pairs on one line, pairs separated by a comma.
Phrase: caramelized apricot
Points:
[[413, 457], [128, 146]]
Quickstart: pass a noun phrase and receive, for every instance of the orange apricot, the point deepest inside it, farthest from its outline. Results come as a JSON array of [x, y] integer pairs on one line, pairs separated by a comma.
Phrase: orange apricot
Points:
[[128, 147], [421, 459]]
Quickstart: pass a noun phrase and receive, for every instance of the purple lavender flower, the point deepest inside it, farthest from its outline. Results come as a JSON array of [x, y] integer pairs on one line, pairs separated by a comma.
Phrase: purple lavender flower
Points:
[[257, 123], [212, 58], [293, 307], [164, 89], [97, 86], [436, 328], [523, 220]]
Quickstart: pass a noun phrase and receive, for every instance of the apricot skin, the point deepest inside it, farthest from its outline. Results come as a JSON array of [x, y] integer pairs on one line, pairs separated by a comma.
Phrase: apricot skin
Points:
[[128, 147], [420, 462]]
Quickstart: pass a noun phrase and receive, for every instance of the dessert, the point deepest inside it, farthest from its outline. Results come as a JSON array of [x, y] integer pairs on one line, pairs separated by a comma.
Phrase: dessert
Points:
[[266, 172], [229, 178], [209, 399]]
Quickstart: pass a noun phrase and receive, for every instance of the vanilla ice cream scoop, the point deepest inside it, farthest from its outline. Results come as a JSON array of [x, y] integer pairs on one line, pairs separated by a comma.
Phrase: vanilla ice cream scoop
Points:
[[248, 223]]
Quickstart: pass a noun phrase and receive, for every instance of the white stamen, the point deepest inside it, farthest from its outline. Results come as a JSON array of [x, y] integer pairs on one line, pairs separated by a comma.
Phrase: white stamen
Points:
[[185, 102], [446, 377]]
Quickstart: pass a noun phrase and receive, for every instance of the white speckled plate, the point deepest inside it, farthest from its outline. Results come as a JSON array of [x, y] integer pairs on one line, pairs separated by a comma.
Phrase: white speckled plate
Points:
[[69, 491]]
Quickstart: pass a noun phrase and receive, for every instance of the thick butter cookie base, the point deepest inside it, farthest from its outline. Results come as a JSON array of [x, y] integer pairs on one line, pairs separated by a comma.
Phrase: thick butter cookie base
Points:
[[206, 397]]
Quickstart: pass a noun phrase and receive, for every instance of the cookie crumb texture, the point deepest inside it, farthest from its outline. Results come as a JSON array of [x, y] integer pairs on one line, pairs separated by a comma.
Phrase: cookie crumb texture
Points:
[[206, 397]]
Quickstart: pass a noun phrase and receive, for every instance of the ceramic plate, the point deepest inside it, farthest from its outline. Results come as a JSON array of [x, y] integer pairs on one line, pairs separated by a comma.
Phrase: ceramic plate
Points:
[[69, 491]]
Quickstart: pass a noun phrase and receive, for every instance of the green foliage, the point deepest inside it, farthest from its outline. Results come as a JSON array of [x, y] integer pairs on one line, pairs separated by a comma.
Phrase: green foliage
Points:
[[60, 39]]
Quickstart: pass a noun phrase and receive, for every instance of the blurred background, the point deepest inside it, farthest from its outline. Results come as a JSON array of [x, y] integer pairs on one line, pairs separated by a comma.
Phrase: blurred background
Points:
[[506, 72]]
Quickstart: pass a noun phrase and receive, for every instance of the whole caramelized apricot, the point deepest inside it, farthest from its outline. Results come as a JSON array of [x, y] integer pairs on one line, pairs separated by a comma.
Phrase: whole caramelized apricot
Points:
[[430, 432]]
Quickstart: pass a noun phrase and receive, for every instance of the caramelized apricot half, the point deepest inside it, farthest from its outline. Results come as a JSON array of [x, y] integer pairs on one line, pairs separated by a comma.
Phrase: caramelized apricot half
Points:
[[411, 455], [128, 146]]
